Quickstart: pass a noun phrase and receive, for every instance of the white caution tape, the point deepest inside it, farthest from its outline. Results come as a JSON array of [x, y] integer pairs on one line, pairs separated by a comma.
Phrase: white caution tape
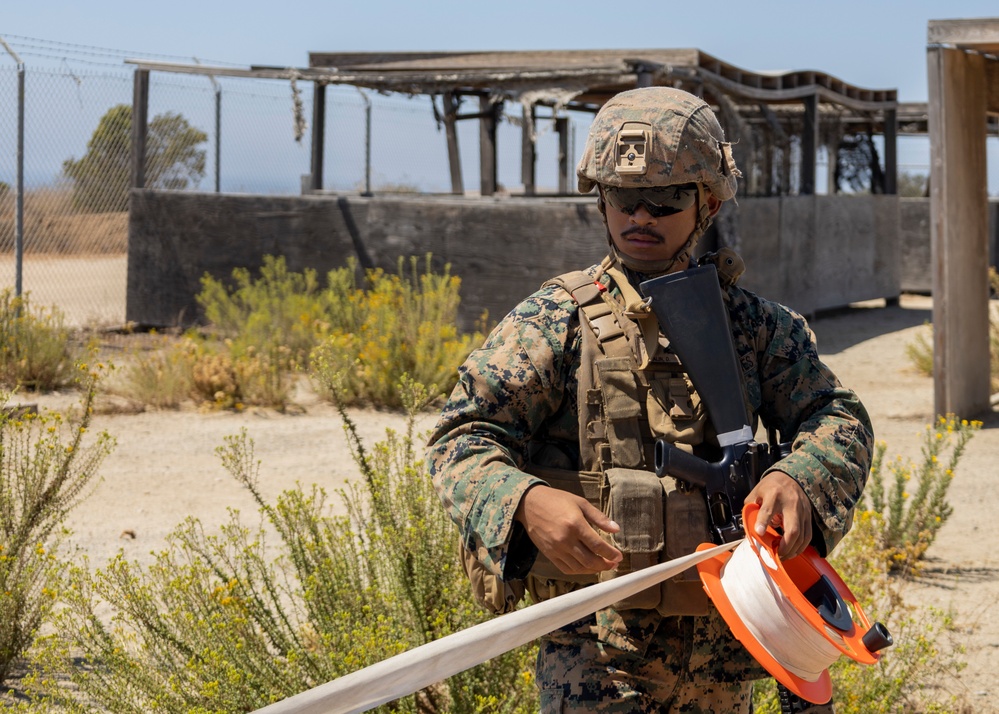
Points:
[[411, 671]]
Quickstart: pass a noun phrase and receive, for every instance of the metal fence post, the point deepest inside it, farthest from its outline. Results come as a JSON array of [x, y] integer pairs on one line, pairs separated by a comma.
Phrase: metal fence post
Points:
[[367, 143], [19, 181]]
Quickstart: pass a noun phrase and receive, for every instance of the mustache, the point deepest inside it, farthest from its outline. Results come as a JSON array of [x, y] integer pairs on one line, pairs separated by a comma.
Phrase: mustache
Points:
[[643, 231]]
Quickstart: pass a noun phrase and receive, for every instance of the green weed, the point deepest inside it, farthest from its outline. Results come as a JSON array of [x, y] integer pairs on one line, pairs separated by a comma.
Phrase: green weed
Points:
[[920, 350]]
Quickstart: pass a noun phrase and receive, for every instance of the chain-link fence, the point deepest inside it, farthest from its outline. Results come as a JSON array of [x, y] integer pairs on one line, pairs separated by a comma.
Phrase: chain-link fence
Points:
[[228, 134]]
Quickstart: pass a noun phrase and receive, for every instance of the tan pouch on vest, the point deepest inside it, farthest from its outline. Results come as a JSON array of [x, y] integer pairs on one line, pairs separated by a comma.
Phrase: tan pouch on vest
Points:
[[490, 591], [687, 527], [658, 523], [635, 502]]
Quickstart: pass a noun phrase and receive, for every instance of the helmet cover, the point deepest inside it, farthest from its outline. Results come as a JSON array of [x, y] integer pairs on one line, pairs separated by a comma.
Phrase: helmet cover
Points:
[[657, 136]]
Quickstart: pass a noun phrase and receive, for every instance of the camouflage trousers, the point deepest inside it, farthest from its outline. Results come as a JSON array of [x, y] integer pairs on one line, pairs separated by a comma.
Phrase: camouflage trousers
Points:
[[637, 661]]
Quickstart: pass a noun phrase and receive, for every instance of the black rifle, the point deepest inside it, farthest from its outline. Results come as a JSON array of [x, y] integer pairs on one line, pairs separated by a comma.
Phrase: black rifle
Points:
[[693, 317]]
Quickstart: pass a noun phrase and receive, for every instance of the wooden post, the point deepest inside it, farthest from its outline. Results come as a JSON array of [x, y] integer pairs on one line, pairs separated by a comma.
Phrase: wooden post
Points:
[[318, 135], [487, 146], [809, 144], [643, 76], [451, 101], [891, 151], [140, 126], [958, 231], [528, 151], [562, 129]]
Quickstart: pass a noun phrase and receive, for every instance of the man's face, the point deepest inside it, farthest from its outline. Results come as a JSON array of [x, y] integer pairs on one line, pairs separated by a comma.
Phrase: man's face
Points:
[[642, 236]]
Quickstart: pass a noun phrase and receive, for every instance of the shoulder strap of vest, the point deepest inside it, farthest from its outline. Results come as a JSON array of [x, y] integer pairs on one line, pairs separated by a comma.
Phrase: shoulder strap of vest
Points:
[[580, 284], [637, 309]]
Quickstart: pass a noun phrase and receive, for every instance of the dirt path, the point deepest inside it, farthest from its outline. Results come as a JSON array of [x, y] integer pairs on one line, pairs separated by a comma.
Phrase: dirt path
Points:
[[165, 469], [867, 350]]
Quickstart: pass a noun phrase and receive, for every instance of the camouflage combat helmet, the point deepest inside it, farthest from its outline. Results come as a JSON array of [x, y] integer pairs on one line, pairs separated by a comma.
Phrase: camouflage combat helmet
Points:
[[657, 136]]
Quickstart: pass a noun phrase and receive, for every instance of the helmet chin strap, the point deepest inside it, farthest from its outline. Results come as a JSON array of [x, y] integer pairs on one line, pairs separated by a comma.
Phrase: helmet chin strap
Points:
[[653, 268]]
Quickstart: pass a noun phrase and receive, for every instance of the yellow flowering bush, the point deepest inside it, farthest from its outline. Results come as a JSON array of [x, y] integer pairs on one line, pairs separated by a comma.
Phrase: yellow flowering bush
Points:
[[263, 330], [402, 324], [908, 501], [35, 347], [235, 620], [46, 466]]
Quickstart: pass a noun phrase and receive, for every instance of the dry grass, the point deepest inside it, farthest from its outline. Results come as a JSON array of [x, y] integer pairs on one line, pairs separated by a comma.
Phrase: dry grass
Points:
[[53, 226]]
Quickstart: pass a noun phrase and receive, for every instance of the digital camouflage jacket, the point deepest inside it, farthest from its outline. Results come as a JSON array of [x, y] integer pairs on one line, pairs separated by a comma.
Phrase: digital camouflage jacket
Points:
[[521, 386]]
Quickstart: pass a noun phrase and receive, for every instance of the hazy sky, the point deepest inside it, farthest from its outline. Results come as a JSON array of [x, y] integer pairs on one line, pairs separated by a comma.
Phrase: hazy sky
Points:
[[875, 44]]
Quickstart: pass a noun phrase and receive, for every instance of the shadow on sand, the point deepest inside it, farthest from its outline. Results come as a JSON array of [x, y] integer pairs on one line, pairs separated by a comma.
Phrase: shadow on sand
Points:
[[844, 327]]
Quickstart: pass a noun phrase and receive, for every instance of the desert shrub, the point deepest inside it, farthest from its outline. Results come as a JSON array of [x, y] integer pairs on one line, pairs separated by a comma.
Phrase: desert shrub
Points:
[[374, 330], [909, 500], [159, 376], [920, 350], [207, 371], [36, 350], [279, 308], [233, 380], [910, 676], [45, 469], [229, 621], [401, 324]]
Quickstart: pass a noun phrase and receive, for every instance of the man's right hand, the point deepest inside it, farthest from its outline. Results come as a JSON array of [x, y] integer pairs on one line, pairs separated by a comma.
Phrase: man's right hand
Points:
[[562, 526]]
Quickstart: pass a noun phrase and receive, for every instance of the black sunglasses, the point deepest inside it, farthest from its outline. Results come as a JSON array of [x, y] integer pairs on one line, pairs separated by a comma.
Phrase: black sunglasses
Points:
[[658, 201]]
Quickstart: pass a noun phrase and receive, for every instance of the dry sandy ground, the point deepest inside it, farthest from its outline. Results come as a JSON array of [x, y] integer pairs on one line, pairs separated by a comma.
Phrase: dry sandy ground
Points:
[[165, 468], [89, 290]]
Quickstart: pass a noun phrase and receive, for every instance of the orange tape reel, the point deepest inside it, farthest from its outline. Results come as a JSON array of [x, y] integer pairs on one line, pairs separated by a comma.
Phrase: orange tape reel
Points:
[[815, 592]]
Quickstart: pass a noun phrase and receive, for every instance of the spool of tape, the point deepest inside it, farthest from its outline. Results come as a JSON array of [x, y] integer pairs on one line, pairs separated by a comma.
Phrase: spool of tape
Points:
[[796, 617]]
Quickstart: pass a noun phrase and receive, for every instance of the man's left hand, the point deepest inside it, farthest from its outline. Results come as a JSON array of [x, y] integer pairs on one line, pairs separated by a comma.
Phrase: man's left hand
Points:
[[783, 504]]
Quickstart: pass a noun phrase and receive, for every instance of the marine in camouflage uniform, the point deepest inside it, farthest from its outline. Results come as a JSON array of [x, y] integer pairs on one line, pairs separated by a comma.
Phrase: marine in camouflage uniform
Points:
[[519, 396]]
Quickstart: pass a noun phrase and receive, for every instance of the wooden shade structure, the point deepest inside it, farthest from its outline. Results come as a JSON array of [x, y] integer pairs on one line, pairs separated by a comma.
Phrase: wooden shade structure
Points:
[[963, 75], [760, 110]]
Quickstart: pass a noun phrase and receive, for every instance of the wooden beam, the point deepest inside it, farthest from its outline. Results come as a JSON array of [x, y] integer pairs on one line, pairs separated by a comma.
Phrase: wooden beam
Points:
[[487, 146], [528, 151], [980, 34], [992, 86], [318, 135], [451, 102], [891, 152], [140, 126], [958, 231], [809, 144], [562, 129]]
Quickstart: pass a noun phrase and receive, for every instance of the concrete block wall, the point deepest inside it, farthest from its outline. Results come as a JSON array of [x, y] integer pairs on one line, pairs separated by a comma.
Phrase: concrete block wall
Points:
[[914, 234], [810, 253], [819, 252]]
